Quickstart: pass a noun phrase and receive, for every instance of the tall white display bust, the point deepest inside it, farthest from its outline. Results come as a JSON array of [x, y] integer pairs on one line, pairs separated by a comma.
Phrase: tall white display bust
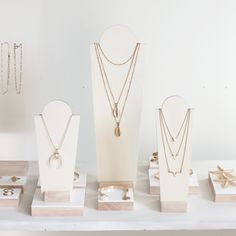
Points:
[[173, 118], [117, 156]]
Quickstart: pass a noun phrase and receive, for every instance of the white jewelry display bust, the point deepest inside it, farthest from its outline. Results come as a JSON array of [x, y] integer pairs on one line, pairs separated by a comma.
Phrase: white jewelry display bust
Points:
[[56, 115], [117, 156], [174, 189]]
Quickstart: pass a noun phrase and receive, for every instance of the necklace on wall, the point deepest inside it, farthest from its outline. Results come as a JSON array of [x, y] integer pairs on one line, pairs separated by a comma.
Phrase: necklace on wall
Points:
[[167, 137], [56, 156], [3, 45], [18, 82], [117, 109]]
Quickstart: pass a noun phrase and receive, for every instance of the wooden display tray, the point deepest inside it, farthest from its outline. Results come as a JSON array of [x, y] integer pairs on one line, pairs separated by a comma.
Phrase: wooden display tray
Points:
[[115, 202], [6, 182], [11, 168], [10, 201], [154, 184], [73, 208], [220, 194]]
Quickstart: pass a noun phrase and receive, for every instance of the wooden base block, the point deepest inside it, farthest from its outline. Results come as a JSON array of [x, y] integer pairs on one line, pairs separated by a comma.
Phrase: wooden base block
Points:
[[173, 206], [10, 168], [74, 208], [221, 194], [116, 183], [10, 201], [114, 202], [57, 196], [78, 182], [154, 183]]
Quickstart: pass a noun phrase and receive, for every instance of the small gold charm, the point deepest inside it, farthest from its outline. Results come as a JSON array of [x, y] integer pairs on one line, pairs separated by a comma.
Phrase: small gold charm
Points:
[[14, 178], [173, 139], [117, 130], [116, 110]]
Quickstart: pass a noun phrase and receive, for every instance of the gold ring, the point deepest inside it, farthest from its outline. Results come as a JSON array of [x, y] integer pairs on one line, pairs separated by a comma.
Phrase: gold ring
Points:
[[14, 178], [8, 191]]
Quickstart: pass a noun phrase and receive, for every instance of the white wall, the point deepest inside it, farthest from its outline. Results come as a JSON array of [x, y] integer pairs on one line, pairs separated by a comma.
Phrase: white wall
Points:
[[191, 51]]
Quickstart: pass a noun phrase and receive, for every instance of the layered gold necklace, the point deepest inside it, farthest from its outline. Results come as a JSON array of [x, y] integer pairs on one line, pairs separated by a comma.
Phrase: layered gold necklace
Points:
[[116, 107], [181, 138]]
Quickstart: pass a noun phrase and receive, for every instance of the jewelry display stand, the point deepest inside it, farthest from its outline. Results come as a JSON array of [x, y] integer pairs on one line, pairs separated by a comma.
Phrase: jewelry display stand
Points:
[[117, 144], [57, 137], [174, 168], [220, 193]]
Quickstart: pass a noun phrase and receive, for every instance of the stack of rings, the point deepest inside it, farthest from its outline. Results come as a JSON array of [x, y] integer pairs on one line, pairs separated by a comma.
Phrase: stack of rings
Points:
[[8, 191]]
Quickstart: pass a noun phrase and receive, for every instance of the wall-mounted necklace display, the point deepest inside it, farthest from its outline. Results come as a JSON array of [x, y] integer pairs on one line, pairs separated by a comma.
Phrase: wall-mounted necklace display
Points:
[[18, 66], [117, 78], [174, 126], [57, 137], [6, 66]]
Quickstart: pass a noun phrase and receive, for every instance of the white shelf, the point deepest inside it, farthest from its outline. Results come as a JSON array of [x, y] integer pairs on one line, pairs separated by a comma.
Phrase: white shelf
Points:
[[202, 213]]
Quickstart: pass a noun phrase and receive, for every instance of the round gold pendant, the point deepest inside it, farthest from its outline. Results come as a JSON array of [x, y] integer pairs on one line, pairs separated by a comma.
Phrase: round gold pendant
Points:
[[117, 131]]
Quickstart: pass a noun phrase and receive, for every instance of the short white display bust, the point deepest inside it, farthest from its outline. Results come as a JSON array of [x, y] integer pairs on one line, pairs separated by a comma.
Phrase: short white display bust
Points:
[[117, 156], [56, 115], [174, 189]]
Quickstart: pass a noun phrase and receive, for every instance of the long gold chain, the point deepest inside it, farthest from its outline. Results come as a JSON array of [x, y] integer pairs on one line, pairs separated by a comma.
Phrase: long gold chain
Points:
[[111, 98], [18, 82], [4, 91], [174, 173]]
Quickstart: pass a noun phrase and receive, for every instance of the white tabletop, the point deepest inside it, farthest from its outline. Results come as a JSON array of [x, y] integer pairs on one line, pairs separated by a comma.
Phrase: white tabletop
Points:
[[202, 213]]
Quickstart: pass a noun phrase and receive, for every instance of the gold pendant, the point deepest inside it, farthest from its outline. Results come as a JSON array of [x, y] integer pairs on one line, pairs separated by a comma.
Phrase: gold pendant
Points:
[[173, 139], [117, 130], [116, 110]]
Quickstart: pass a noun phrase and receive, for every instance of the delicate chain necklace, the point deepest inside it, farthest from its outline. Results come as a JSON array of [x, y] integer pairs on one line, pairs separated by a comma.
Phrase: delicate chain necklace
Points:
[[18, 82], [165, 139], [165, 127], [4, 91], [56, 157], [113, 102]]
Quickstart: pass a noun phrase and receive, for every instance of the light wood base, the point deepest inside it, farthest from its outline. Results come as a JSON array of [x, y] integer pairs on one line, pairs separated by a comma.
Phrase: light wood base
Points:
[[173, 206], [56, 196], [116, 203], [116, 183], [10, 201], [10, 168], [154, 184], [74, 208], [220, 194]]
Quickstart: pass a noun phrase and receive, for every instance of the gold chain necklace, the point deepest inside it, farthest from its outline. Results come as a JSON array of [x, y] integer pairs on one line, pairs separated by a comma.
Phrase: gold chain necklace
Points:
[[4, 91], [18, 83], [113, 102], [163, 136], [165, 126], [56, 157]]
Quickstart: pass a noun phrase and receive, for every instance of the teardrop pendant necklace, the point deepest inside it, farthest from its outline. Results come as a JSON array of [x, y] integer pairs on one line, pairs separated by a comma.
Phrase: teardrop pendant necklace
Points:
[[117, 109], [55, 160]]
